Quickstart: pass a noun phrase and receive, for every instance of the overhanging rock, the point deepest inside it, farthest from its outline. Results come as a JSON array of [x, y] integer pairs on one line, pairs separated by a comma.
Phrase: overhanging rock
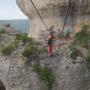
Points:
[[53, 13]]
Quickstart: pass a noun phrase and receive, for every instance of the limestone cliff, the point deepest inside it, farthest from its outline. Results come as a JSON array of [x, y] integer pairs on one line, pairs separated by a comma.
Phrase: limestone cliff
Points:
[[16, 71], [53, 12], [17, 74]]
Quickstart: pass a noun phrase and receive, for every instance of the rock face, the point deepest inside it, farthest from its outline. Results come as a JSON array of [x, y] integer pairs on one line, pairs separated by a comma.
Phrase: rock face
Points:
[[20, 77], [53, 13], [17, 75], [8, 29]]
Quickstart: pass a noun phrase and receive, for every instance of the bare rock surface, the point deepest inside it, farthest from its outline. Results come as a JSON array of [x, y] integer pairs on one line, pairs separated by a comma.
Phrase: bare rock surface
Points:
[[17, 75], [53, 14]]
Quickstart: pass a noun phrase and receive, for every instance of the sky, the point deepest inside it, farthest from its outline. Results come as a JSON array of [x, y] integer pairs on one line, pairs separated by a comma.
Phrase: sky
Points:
[[9, 10]]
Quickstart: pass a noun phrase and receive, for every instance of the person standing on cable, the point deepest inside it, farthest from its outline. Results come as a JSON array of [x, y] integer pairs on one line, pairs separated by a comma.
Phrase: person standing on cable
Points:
[[50, 42]]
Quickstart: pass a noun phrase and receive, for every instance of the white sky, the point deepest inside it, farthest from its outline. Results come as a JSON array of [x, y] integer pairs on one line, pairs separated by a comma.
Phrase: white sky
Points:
[[10, 10]]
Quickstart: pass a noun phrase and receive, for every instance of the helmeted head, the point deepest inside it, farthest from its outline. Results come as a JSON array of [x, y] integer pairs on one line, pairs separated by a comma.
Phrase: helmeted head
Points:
[[51, 30]]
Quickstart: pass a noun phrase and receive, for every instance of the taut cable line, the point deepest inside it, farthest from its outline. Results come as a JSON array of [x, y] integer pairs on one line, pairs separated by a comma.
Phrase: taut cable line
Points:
[[66, 14], [39, 14]]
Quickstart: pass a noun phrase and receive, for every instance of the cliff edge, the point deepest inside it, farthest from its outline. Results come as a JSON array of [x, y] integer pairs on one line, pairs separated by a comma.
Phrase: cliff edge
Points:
[[25, 65]]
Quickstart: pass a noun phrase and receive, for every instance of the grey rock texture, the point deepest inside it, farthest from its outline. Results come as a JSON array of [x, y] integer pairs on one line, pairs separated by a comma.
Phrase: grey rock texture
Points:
[[53, 13], [16, 74]]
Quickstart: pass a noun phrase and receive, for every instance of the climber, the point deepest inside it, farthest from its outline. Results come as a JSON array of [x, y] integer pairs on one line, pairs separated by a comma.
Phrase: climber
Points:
[[49, 42], [67, 33]]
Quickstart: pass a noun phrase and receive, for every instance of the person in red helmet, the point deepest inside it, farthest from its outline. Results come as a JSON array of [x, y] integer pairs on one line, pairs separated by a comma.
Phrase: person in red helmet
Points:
[[49, 43]]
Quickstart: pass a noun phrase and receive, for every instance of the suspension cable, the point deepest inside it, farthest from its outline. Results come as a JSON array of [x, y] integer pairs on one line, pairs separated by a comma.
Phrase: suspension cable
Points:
[[66, 14], [39, 15], [72, 13]]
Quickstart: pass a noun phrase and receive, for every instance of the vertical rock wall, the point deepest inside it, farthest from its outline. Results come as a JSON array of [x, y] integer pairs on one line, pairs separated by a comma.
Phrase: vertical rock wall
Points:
[[53, 13], [21, 77], [16, 74]]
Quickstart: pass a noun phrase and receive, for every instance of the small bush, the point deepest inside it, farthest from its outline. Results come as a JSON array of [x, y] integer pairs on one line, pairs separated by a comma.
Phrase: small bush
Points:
[[74, 53], [23, 37], [83, 37], [2, 87], [85, 27], [45, 74], [7, 50], [29, 50], [1, 46], [2, 30], [42, 50]]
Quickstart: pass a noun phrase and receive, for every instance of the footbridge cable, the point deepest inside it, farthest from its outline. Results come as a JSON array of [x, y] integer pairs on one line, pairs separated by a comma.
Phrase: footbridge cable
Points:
[[39, 14], [66, 15]]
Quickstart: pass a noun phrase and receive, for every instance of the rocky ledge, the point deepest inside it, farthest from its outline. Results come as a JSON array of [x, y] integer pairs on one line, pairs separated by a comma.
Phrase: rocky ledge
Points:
[[69, 66]]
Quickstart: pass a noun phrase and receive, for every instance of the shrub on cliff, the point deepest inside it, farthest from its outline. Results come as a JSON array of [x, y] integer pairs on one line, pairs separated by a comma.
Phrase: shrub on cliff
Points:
[[75, 52], [1, 30], [82, 41], [45, 75], [7, 50], [29, 50], [22, 37], [83, 36], [32, 49]]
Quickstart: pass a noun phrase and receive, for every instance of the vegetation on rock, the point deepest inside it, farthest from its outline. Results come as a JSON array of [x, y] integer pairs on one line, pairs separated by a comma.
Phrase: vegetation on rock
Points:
[[2, 87], [29, 50], [22, 37], [74, 53], [83, 36], [82, 40], [7, 49], [45, 75], [1, 31]]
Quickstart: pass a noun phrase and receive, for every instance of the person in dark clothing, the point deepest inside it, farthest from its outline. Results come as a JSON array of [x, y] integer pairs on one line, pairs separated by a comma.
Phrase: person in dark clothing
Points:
[[49, 43]]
